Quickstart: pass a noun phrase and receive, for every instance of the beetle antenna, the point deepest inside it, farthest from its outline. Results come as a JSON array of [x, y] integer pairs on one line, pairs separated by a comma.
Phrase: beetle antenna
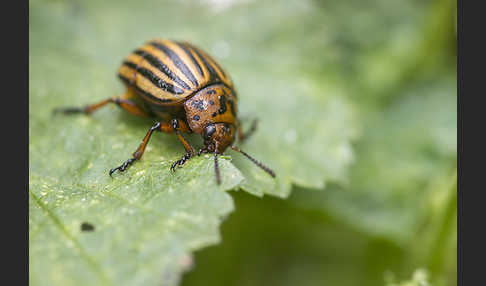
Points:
[[259, 164], [216, 168]]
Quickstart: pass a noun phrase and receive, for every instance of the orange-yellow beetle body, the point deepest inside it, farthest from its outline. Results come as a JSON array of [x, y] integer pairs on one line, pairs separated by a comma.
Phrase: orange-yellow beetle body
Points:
[[187, 91]]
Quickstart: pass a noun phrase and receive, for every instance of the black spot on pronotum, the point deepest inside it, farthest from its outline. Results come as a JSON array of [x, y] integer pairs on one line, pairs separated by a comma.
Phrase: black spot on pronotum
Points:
[[211, 102], [196, 117], [214, 114], [86, 226], [211, 91], [199, 104]]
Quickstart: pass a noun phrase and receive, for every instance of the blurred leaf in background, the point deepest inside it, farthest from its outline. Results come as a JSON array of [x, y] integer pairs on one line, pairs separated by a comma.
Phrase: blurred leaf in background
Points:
[[357, 109], [396, 213]]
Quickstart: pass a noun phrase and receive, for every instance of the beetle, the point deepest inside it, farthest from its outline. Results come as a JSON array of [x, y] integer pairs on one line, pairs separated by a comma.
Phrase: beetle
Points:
[[187, 91]]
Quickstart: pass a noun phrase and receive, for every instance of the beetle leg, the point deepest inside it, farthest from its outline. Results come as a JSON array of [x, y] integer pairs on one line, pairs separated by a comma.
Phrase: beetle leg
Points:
[[159, 126], [124, 103], [181, 161], [178, 127], [242, 136], [202, 150]]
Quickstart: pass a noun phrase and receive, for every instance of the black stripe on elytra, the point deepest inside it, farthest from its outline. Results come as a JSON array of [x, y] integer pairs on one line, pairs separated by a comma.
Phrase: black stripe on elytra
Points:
[[219, 68], [158, 82], [189, 54], [124, 79], [147, 94], [222, 104], [232, 107], [177, 61], [213, 76], [155, 62]]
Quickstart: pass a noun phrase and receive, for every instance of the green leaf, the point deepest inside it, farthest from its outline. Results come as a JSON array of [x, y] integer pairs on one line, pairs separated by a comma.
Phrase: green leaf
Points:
[[420, 277], [406, 148], [148, 220], [396, 212], [144, 225]]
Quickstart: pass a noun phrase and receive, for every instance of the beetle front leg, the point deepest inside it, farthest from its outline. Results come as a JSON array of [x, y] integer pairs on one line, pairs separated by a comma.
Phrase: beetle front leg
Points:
[[159, 126], [179, 126]]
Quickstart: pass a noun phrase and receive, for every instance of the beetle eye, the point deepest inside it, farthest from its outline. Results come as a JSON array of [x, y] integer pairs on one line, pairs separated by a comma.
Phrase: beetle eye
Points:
[[209, 131]]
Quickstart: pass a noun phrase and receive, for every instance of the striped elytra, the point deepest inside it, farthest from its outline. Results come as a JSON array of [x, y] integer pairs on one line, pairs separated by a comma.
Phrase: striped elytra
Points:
[[185, 91], [166, 72]]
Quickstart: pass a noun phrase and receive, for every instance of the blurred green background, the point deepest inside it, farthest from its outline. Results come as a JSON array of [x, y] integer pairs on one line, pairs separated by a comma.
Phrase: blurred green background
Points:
[[390, 218]]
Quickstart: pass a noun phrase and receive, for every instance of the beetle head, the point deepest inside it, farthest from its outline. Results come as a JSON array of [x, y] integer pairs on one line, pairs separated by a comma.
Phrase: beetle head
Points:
[[218, 136]]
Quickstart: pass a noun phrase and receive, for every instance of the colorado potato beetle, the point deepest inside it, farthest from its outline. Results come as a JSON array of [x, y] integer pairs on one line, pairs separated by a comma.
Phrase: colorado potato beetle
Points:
[[187, 91]]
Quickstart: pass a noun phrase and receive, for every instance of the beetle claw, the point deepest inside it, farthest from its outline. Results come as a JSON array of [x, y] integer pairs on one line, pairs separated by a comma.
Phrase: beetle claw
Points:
[[172, 168], [123, 166], [112, 171], [181, 161]]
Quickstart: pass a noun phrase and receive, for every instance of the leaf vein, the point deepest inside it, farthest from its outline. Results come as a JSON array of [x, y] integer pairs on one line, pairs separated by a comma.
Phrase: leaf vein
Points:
[[82, 252]]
